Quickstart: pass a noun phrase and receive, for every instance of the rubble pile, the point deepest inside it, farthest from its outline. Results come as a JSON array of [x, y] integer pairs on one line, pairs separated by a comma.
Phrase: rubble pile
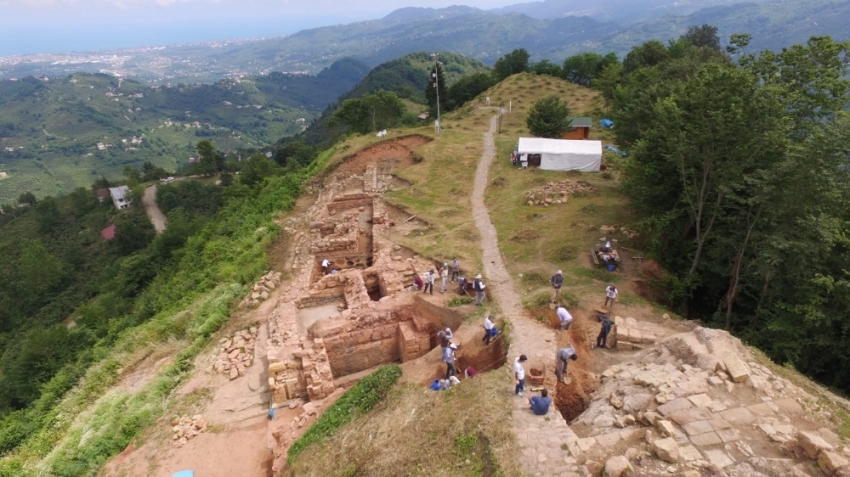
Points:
[[185, 428], [555, 193], [236, 354], [262, 289], [611, 229]]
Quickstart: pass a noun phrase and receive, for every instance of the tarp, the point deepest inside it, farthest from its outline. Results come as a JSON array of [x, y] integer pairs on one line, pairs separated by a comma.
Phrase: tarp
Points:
[[563, 154]]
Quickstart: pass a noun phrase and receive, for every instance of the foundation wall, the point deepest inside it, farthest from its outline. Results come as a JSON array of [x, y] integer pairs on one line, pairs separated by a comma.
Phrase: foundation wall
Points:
[[349, 202], [364, 349], [435, 314]]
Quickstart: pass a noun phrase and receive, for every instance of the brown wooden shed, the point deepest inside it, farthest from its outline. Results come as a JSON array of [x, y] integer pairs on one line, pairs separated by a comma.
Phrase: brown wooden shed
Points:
[[579, 129]]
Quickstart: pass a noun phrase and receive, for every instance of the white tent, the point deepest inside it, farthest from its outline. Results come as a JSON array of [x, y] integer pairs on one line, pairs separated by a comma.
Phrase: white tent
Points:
[[563, 154]]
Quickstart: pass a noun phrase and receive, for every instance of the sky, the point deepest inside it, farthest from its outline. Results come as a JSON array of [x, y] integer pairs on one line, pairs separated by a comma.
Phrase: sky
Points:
[[64, 26]]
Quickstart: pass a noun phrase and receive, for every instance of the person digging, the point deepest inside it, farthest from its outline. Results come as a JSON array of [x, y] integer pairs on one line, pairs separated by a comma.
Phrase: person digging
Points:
[[564, 356]]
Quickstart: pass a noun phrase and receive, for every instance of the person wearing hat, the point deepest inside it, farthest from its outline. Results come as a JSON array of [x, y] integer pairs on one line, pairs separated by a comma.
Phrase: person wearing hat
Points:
[[445, 337], [450, 361], [557, 281], [488, 327], [444, 277], [563, 357], [478, 286]]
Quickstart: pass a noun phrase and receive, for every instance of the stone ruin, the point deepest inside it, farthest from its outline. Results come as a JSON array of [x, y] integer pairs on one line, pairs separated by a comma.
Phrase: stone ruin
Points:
[[185, 428], [555, 192], [325, 327], [696, 404], [236, 354]]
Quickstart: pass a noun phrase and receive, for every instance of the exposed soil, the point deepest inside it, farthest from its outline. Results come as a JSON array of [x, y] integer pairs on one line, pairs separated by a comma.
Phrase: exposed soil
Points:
[[157, 217], [389, 154]]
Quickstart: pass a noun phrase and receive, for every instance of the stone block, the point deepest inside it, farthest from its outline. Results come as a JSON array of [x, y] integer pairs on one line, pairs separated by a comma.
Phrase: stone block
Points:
[[689, 453], [738, 415], [701, 400], [697, 427], [718, 458], [737, 369], [707, 439], [665, 427], [673, 406], [830, 462], [666, 449], [616, 466], [812, 444]]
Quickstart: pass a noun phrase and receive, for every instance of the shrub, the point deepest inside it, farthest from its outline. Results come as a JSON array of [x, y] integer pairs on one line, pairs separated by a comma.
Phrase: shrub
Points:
[[362, 397], [459, 301]]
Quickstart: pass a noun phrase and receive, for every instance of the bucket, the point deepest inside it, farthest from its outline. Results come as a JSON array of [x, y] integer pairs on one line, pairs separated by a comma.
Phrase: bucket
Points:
[[494, 331], [612, 267]]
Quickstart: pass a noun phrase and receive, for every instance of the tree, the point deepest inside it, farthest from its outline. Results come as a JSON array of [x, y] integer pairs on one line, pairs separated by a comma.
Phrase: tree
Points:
[[549, 117], [436, 84], [256, 168], [703, 36], [209, 160], [650, 53], [371, 112], [48, 214], [467, 88], [511, 64], [584, 68], [546, 67], [27, 198]]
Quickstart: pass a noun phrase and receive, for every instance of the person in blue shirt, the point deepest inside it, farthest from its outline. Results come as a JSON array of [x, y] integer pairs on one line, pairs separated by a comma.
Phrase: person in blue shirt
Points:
[[540, 404]]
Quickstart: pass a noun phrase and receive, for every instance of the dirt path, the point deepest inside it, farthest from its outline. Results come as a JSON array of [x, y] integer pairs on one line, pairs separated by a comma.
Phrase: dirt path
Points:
[[157, 217], [542, 439]]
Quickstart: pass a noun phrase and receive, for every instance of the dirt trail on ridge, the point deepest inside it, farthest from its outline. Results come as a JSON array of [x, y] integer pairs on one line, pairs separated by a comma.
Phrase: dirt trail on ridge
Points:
[[157, 217]]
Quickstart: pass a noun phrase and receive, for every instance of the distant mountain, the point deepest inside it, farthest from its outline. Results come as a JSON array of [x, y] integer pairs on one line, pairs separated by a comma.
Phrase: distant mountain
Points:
[[626, 12], [419, 13], [407, 76], [58, 134]]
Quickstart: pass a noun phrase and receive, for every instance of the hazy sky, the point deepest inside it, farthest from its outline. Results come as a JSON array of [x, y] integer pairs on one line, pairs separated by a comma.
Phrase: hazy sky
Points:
[[49, 26]]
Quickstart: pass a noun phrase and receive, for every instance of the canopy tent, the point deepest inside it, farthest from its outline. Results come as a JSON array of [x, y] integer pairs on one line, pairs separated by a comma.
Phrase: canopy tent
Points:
[[563, 154]]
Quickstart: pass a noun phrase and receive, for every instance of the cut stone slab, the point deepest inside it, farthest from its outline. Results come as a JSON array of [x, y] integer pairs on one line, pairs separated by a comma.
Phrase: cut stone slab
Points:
[[615, 466], [701, 400], [666, 449], [738, 415], [812, 444], [677, 404], [665, 427], [728, 435], [718, 458], [697, 427], [789, 405], [707, 439], [689, 453], [737, 369], [761, 409]]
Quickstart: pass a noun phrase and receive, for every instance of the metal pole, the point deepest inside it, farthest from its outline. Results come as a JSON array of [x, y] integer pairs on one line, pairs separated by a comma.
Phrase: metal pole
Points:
[[437, 85]]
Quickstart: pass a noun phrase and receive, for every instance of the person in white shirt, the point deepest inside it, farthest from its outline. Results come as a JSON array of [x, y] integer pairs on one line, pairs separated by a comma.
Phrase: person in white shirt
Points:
[[450, 361], [326, 264], [565, 319], [611, 295], [429, 281], [488, 327], [444, 277], [519, 374]]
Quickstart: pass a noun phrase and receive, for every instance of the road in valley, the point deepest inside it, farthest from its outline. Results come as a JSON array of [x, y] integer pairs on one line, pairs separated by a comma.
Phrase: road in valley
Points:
[[157, 217]]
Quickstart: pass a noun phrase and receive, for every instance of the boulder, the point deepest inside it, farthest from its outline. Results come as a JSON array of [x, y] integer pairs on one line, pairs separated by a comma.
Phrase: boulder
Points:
[[615, 466], [812, 444], [665, 427], [666, 449], [738, 371], [830, 462]]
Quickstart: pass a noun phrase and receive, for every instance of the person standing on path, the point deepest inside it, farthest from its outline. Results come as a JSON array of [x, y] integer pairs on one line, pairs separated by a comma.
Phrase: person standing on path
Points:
[[478, 286], [565, 319], [519, 374], [611, 296], [455, 269], [488, 329], [602, 338], [540, 404], [564, 356], [557, 281], [429, 281], [450, 361], [444, 277]]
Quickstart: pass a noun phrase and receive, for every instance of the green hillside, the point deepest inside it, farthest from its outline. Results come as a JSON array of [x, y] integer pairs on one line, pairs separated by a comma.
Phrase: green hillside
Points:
[[56, 135]]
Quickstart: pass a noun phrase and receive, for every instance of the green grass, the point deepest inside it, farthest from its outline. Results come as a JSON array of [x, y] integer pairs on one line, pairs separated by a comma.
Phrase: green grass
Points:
[[361, 398]]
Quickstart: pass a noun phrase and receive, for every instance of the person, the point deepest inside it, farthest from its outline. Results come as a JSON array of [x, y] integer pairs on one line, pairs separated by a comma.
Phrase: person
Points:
[[462, 283], [607, 246], [565, 319], [469, 372], [418, 282], [519, 374], [611, 295], [334, 271], [478, 286], [557, 281], [523, 160], [450, 361], [429, 281], [326, 264], [455, 269], [445, 337], [488, 327], [444, 277], [563, 356], [602, 338], [540, 404]]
